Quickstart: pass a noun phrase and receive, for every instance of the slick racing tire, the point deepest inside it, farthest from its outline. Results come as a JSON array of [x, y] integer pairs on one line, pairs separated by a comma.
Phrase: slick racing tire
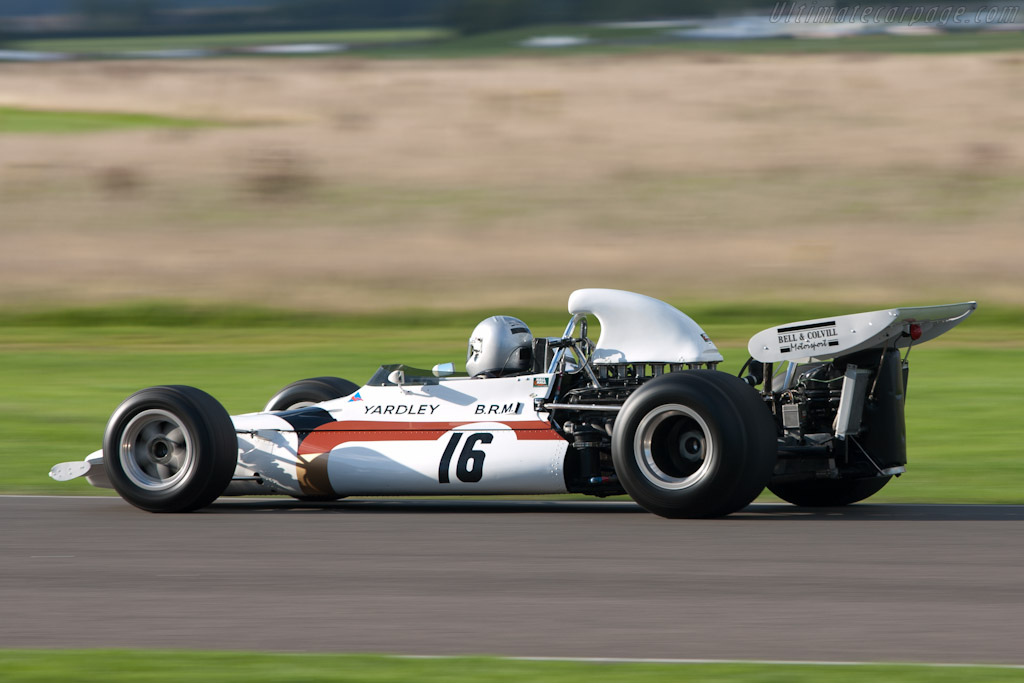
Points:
[[170, 449], [307, 392], [698, 443], [817, 493]]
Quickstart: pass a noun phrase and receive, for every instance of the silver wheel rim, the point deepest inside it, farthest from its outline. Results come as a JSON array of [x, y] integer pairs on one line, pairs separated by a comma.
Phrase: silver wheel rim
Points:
[[673, 447], [157, 453]]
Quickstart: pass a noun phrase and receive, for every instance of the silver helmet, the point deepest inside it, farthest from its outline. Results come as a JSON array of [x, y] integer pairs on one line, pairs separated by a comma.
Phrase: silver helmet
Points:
[[498, 345]]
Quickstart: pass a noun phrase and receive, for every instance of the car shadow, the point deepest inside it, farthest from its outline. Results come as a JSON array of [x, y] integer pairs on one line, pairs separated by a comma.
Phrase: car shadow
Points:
[[419, 506], [905, 512], [762, 512]]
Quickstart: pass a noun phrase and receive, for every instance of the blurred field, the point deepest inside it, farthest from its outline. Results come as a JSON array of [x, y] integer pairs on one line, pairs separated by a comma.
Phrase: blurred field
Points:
[[346, 184], [415, 197]]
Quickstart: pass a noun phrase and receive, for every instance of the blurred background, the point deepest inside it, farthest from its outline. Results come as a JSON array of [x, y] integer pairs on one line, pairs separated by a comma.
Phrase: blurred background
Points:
[[234, 194], [358, 155]]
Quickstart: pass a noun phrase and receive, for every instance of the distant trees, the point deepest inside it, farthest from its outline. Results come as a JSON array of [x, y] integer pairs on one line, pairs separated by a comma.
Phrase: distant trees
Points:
[[482, 16], [479, 16], [125, 17], [358, 13], [117, 15]]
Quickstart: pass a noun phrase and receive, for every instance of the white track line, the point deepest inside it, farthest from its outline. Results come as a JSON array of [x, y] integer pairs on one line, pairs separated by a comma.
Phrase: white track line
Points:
[[784, 662], [102, 496]]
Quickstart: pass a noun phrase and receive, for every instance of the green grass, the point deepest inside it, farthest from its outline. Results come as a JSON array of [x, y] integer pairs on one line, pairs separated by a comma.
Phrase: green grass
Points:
[[430, 42], [16, 120], [87, 46], [612, 41], [156, 666], [61, 383], [64, 372]]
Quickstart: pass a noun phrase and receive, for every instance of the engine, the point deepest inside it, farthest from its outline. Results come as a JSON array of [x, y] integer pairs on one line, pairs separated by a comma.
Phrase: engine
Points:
[[842, 418], [810, 407]]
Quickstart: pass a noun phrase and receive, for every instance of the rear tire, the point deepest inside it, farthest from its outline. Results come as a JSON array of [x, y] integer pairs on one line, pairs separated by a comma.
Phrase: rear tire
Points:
[[170, 449], [698, 443], [816, 493], [307, 392]]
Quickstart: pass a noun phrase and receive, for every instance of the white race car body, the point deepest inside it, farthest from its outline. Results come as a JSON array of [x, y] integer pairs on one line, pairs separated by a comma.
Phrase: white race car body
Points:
[[644, 410], [453, 436], [458, 435]]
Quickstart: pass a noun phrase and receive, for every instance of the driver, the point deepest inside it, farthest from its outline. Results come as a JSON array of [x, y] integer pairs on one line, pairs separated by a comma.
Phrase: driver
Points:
[[499, 346]]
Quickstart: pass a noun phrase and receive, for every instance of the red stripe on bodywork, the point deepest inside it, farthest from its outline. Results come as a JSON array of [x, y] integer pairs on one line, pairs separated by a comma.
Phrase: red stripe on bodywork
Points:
[[328, 436]]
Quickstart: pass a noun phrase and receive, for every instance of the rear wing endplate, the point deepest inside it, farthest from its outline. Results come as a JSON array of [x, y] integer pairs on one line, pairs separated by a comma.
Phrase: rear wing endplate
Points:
[[828, 338]]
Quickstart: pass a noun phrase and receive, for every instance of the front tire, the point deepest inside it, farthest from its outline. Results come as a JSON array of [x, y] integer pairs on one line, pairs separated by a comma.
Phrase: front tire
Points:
[[698, 443], [170, 449], [307, 392], [817, 493]]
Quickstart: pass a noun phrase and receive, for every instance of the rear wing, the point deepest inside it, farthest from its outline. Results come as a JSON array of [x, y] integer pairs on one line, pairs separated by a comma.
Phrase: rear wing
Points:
[[828, 338]]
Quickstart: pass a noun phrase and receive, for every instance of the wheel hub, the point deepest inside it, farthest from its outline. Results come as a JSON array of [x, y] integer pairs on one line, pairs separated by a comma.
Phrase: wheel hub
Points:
[[156, 451], [673, 447], [159, 449]]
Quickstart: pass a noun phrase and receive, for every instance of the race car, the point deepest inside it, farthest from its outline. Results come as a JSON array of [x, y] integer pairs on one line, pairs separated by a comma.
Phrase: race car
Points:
[[815, 414]]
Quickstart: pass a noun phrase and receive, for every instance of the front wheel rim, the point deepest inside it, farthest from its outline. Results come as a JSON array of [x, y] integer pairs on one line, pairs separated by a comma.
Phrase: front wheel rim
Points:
[[156, 451], [673, 447]]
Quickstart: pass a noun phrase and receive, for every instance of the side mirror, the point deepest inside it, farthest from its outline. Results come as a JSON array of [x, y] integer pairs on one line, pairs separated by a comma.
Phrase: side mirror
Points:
[[397, 377], [443, 370]]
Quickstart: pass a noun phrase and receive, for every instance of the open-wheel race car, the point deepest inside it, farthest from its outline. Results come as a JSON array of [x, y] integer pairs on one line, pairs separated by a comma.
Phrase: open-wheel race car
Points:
[[816, 415]]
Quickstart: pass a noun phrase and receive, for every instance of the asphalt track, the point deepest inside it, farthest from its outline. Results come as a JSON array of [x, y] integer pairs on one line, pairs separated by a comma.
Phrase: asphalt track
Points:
[[922, 583]]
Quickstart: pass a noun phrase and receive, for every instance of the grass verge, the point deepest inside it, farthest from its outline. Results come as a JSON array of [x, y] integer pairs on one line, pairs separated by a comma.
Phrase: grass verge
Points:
[[618, 41], [156, 666], [64, 373], [90, 46]]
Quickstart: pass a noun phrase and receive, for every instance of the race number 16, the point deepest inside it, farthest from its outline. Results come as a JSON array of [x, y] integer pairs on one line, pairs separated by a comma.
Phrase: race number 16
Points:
[[470, 467]]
